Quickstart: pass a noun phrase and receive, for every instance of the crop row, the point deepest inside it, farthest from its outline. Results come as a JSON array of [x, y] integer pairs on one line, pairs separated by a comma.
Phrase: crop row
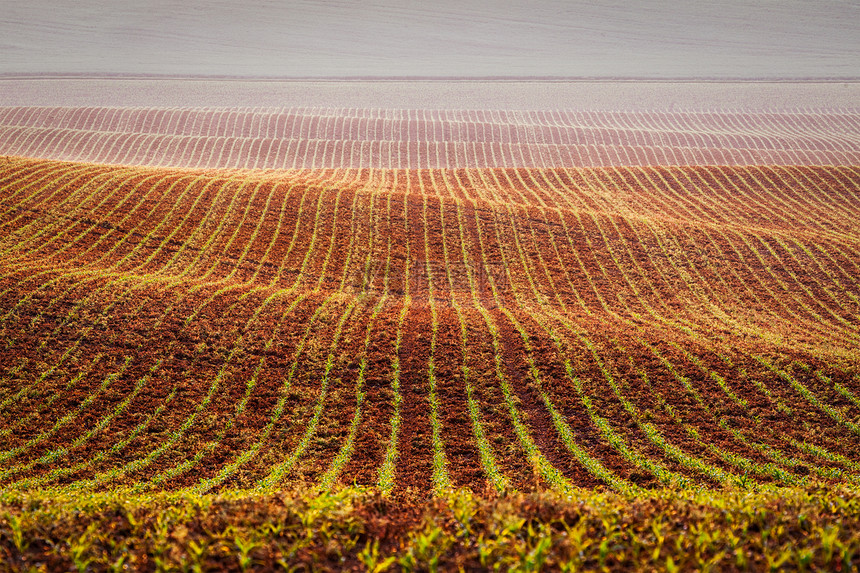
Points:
[[306, 138], [820, 129], [509, 329]]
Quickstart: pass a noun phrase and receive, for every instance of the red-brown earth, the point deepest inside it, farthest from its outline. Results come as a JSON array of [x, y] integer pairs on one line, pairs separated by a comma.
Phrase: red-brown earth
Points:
[[519, 329]]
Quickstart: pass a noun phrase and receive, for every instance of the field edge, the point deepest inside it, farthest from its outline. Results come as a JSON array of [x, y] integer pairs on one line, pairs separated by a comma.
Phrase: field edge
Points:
[[360, 529]]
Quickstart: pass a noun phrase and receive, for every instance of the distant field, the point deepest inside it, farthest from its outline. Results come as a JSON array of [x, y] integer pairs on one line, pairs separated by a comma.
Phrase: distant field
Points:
[[309, 138], [594, 38], [612, 313]]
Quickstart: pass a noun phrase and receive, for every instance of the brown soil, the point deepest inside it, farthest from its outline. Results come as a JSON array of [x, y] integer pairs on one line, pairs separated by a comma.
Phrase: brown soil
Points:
[[724, 302]]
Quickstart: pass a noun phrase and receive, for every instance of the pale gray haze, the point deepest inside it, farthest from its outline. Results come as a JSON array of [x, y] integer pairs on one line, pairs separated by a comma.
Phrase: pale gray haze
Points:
[[609, 38]]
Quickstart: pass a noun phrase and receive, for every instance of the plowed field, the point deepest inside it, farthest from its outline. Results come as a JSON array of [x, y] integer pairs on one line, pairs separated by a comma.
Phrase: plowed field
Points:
[[497, 329], [628, 327], [318, 137]]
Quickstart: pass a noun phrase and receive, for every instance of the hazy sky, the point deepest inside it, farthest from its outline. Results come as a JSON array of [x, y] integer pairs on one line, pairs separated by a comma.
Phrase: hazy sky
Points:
[[650, 38]]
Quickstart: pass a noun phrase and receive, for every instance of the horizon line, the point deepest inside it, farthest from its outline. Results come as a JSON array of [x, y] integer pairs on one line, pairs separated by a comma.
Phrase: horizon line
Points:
[[441, 79]]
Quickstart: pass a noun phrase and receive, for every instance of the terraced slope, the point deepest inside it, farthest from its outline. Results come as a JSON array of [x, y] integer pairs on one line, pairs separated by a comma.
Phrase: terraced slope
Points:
[[421, 330], [308, 138]]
